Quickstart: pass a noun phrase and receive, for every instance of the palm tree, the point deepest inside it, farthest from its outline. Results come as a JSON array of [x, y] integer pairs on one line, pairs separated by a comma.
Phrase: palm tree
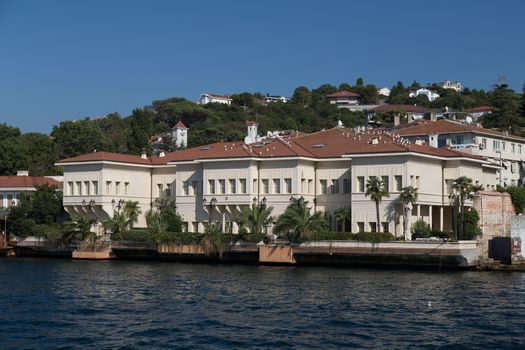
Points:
[[132, 212], [83, 226], [256, 217], [375, 189], [118, 225], [154, 221], [343, 215], [408, 198], [466, 190], [297, 222]]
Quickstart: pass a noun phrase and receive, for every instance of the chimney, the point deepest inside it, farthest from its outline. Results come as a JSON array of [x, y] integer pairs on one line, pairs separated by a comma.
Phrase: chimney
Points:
[[162, 153], [143, 154], [419, 142], [397, 120], [433, 140], [22, 173]]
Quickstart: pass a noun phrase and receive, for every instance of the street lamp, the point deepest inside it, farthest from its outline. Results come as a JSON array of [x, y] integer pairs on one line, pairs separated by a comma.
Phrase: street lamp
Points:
[[453, 199]]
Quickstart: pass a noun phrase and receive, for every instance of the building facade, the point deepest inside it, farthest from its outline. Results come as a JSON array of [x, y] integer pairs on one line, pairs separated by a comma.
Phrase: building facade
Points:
[[206, 98], [329, 169], [501, 149]]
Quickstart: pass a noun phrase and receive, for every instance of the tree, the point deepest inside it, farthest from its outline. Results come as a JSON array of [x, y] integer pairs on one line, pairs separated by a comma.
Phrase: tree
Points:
[[302, 96], [154, 222], [74, 138], [522, 103], [256, 218], [375, 189], [298, 223], [359, 82], [343, 215], [8, 131], [118, 225], [41, 154], [465, 190], [407, 197], [132, 212], [82, 226], [506, 115], [141, 129], [13, 155], [169, 216]]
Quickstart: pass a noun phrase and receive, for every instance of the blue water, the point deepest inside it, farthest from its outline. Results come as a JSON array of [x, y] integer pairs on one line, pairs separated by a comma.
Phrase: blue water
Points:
[[61, 304]]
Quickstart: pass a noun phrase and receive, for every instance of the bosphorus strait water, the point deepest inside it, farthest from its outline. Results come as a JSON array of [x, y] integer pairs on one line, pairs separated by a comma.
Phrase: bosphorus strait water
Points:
[[61, 304]]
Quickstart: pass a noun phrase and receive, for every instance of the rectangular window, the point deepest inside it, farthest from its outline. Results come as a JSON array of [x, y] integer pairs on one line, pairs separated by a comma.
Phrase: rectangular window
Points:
[[384, 226], [86, 188], [233, 186], [519, 149], [195, 187], [160, 189], [265, 186], [496, 145], [484, 143], [513, 147], [360, 184], [9, 200], [185, 188], [288, 185], [126, 188], [195, 227], [2, 201], [95, 188], [386, 185], [303, 186], [277, 186], [503, 145], [323, 184], [361, 227], [108, 187], [242, 184], [168, 190], [417, 181], [117, 187], [70, 188], [335, 186], [222, 186], [347, 186], [373, 226], [78, 191], [211, 186], [399, 182], [310, 186]]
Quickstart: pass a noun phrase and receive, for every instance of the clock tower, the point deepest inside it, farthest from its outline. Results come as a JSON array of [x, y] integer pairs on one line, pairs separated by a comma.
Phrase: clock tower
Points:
[[180, 135]]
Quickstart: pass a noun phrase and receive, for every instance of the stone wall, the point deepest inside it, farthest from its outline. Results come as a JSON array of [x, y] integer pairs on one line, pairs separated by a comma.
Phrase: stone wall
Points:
[[517, 234], [495, 213]]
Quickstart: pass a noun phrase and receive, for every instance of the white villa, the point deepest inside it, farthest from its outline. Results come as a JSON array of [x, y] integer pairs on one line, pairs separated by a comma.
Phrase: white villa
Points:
[[447, 84], [329, 169], [500, 148], [206, 98], [429, 94]]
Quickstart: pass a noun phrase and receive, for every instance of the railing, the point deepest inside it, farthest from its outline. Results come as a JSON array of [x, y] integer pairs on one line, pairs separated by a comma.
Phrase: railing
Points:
[[465, 146]]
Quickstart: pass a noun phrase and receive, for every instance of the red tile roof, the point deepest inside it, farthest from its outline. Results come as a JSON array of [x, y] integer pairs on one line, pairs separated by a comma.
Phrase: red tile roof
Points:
[[480, 109], [220, 97], [110, 157], [394, 107], [27, 181], [332, 143], [179, 125], [446, 126], [343, 93]]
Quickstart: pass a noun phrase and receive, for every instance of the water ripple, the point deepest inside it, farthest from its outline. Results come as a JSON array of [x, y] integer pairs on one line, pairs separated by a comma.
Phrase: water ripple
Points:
[[52, 304]]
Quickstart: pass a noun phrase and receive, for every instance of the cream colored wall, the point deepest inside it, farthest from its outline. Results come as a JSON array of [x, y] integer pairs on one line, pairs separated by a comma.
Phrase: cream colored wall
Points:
[[138, 190]]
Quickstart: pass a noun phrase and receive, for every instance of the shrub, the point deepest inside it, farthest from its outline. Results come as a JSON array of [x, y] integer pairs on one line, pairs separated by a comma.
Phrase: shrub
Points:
[[442, 234], [333, 236], [52, 232], [517, 195], [374, 237], [471, 229], [136, 235], [254, 237], [420, 229]]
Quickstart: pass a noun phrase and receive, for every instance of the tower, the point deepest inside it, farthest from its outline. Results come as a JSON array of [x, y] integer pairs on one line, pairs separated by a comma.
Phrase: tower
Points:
[[180, 135], [252, 132]]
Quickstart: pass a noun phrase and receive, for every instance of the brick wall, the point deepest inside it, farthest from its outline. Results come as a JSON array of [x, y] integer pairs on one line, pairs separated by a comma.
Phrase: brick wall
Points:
[[495, 213]]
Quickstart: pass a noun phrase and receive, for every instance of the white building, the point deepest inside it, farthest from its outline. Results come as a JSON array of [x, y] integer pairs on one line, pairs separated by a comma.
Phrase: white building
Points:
[[329, 169], [271, 99], [384, 91], [180, 135], [430, 95], [500, 148], [206, 98], [447, 84], [478, 112]]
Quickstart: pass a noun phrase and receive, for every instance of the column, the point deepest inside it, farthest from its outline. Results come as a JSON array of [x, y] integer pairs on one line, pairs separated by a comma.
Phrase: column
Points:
[[223, 224], [418, 211], [441, 218], [430, 217]]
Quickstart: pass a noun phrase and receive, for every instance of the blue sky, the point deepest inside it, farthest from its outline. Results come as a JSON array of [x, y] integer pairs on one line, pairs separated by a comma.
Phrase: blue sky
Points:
[[69, 59]]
